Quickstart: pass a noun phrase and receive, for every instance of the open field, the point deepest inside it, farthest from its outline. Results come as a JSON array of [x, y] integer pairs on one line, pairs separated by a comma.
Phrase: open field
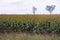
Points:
[[29, 17], [23, 25]]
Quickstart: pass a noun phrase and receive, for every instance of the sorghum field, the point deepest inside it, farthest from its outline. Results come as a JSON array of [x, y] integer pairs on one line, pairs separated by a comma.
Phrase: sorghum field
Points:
[[29, 27]]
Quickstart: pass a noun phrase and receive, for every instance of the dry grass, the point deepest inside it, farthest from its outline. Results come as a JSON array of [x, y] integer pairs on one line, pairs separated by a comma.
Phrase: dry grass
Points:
[[21, 36], [29, 17]]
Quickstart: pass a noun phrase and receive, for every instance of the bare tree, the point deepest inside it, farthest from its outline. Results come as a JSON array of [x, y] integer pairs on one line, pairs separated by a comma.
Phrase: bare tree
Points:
[[50, 8], [34, 9]]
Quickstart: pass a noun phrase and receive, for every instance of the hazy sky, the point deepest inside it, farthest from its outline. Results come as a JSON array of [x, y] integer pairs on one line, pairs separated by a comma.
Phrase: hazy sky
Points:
[[25, 6]]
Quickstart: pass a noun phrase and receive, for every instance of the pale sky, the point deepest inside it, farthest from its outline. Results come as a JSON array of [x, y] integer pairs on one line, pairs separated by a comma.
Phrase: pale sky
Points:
[[25, 6]]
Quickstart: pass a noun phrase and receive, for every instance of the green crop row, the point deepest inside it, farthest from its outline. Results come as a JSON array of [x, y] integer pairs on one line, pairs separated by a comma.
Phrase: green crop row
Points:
[[48, 26]]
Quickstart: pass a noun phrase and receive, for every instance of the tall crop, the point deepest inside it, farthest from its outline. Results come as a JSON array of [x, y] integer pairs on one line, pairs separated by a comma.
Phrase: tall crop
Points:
[[31, 24]]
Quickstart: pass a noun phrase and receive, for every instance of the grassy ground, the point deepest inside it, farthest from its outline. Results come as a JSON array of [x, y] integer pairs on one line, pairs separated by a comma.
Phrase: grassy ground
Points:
[[21, 36]]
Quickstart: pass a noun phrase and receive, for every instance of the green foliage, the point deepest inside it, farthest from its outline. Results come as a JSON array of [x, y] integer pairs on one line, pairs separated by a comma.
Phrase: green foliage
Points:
[[48, 26]]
